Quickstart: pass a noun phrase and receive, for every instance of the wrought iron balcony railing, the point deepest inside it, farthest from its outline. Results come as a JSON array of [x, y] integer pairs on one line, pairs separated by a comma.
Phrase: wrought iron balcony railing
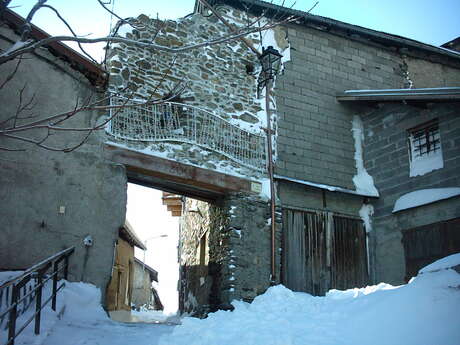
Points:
[[176, 122]]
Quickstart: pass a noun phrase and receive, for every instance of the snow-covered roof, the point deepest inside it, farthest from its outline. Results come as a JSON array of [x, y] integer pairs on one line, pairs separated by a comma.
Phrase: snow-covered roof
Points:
[[153, 273], [94, 73], [128, 231], [424, 197], [325, 186]]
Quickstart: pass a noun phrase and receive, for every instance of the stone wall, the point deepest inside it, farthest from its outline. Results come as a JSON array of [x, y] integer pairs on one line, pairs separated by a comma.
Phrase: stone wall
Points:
[[387, 159], [203, 247], [237, 254], [142, 286], [53, 200], [220, 78]]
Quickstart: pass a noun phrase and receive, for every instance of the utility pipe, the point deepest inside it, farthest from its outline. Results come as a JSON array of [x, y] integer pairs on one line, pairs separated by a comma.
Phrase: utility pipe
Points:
[[270, 176]]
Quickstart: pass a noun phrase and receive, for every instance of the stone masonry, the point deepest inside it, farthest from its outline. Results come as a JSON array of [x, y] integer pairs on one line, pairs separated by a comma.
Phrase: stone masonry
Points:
[[220, 79], [235, 263]]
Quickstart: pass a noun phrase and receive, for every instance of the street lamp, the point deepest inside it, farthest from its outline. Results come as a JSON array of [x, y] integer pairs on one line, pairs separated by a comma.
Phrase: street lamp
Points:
[[270, 60]]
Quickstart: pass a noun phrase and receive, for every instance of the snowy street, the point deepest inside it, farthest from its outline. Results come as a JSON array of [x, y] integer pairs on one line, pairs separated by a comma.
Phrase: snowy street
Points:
[[108, 332], [423, 312]]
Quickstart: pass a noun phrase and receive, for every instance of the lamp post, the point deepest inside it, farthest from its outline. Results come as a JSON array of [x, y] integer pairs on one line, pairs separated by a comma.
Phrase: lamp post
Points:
[[145, 246], [270, 60]]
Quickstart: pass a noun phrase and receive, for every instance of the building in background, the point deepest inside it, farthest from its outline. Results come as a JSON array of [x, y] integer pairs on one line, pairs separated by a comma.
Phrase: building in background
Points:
[[144, 294], [119, 295]]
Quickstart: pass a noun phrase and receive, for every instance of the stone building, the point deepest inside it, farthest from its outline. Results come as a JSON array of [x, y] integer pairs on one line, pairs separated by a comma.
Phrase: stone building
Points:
[[340, 160], [334, 225], [144, 294], [123, 280]]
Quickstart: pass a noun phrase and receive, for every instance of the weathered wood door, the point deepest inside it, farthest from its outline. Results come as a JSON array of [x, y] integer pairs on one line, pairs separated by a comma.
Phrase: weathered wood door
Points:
[[322, 250], [426, 244]]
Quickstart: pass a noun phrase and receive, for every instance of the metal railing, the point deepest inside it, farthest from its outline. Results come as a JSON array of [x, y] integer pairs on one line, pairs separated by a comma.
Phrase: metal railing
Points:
[[182, 123], [22, 292]]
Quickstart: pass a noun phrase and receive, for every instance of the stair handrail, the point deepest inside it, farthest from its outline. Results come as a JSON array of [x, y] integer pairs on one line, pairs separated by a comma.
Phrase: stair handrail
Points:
[[38, 273]]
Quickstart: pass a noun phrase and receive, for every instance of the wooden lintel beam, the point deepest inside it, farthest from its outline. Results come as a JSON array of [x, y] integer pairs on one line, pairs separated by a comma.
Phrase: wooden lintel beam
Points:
[[174, 207], [176, 172], [172, 202]]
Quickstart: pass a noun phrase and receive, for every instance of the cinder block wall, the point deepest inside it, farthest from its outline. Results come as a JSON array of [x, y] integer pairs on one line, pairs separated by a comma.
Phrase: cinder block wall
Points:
[[315, 142], [387, 160]]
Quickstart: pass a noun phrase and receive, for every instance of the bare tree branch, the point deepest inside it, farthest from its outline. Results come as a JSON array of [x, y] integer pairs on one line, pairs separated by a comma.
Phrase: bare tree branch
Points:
[[30, 46], [11, 75], [71, 30], [16, 128]]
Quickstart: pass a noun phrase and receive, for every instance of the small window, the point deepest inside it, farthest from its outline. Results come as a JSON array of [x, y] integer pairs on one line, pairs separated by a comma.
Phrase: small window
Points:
[[425, 148]]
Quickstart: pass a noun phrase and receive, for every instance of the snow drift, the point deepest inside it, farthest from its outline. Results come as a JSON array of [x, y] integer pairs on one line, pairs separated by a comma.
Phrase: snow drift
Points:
[[425, 311]]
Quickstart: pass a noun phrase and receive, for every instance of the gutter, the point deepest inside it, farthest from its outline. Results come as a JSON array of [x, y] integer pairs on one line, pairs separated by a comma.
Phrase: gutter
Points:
[[425, 94]]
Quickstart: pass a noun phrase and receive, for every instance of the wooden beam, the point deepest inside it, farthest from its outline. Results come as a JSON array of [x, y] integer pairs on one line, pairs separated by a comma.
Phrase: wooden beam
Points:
[[174, 207], [172, 202], [169, 171]]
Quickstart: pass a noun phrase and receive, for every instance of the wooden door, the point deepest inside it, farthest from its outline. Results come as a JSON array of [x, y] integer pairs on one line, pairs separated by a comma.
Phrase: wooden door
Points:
[[428, 243], [322, 250]]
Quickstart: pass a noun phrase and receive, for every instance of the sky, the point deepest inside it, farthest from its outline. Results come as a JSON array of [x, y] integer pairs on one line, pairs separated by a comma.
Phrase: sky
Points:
[[430, 21], [150, 220]]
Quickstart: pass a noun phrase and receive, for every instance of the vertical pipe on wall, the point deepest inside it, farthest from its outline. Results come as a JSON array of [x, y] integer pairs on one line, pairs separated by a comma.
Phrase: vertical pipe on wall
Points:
[[270, 176]]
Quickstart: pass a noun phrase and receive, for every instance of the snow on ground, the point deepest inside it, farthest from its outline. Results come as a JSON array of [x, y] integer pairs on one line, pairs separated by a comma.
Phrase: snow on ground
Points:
[[423, 312], [9, 275], [80, 320], [442, 264], [154, 316], [424, 197]]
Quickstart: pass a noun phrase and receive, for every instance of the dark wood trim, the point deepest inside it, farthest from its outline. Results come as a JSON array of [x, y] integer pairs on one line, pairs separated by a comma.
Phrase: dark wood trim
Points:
[[177, 177]]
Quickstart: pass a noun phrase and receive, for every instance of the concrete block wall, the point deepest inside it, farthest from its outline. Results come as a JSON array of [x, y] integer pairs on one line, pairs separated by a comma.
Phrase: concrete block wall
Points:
[[386, 154], [35, 183], [314, 139]]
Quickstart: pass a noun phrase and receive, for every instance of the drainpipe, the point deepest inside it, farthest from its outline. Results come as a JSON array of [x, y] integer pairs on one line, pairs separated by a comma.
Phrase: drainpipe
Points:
[[270, 176]]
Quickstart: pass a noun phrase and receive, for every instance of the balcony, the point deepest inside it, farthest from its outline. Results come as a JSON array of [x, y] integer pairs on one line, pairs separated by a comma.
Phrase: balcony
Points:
[[180, 123]]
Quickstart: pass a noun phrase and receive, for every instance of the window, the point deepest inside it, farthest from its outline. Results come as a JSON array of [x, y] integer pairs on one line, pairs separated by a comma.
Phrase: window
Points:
[[425, 148]]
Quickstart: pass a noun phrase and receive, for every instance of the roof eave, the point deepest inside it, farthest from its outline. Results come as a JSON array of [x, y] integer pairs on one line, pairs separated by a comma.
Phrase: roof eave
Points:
[[93, 72], [449, 94]]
